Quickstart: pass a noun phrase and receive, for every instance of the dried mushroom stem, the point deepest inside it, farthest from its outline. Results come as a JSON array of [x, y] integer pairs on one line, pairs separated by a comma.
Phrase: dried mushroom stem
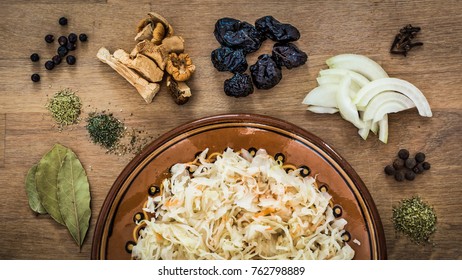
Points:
[[179, 91], [145, 89], [141, 64]]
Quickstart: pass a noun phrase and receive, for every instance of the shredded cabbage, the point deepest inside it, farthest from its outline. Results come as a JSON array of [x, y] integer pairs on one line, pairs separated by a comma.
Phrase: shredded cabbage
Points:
[[240, 206]]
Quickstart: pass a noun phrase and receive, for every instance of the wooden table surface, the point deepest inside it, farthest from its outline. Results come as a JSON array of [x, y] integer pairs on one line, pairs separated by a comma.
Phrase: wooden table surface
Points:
[[327, 27]]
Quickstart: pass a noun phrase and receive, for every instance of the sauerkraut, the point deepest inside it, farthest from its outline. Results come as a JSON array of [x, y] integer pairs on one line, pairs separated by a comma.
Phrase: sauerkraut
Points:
[[239, 206]]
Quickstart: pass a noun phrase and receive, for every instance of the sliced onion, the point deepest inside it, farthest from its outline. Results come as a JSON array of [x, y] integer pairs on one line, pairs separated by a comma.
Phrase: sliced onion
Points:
[[383, 129], [345, 105], [322, 110], [357, 78], [322, 96], [383, 98], [358, 63], [374, 88]]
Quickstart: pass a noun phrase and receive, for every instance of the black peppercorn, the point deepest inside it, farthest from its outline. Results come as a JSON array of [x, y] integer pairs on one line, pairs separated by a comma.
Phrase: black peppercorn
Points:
[[34, 57], [56, 59], [403, 154], [49, 65], [399, 175], [420, 157], [409, 175], [418, 169], [70, 46], [398, 163], [83, 37], [72, 37], [62, 51], [62, 21], [49, 38], [410, 163], [35, 78], [70, 59], [389, 170], [62, 40], [426, 165]]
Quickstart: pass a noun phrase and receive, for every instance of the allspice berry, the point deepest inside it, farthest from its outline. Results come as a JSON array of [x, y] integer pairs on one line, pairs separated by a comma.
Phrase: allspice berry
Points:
[[409, 175], [399, 176], [398, 163], [389, 170], [410, 163], [420, 157], [403, 154]]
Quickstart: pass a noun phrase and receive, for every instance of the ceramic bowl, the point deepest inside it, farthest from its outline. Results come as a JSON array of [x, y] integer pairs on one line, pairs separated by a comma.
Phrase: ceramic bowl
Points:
[[115, 231]]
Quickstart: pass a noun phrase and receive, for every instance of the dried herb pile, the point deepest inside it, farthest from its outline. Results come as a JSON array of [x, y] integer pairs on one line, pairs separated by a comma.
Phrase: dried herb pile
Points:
[[58, 185], [415, 218], [65, 107], [106, 130]]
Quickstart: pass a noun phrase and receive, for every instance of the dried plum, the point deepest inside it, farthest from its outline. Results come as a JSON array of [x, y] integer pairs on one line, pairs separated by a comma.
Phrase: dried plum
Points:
[[240, 85], [227, 59], [238, 35], [265, 72], [288, 55], [277, 31]]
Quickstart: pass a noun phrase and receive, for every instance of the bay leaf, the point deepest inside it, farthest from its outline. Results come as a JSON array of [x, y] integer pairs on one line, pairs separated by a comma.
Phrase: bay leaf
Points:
[[74, 196], [32, 194], [46, 179]]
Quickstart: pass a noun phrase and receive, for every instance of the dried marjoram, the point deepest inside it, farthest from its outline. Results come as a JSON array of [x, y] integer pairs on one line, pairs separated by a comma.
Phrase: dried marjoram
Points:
[[415, 218], [65, 107], [104, 129], [403, 41]]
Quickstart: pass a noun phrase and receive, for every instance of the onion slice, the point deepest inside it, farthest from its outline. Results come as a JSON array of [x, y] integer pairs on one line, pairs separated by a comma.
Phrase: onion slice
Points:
[[322, 110], [322, 96], [383, 98], [345, 105], [383, 129], [358, 63], [357, 78], [374, 88]]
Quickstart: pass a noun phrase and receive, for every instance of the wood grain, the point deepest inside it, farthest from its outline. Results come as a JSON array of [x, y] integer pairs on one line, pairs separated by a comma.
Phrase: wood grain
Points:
[[327, 28], [2, 139]]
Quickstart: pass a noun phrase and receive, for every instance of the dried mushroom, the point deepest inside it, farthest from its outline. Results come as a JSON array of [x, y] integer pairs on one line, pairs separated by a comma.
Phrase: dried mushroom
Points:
[[155, 18], [146, 90], [158, 33], [142, 64], [155, 28], [156, 52], [179, 91], [180, 66], [173, 44], [144, 34]]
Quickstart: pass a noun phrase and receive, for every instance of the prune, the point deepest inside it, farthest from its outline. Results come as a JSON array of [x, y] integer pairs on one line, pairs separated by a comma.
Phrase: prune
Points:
[[277, 31], [240, 85], [227, 59], [265, 72], [238, 35], [288, 55]]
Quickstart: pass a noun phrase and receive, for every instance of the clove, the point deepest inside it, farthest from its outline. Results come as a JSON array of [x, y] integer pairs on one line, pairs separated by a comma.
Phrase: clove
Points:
[[402, 43]]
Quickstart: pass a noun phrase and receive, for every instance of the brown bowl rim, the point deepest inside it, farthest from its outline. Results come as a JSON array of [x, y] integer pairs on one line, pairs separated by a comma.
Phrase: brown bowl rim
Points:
[[240, 118]]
